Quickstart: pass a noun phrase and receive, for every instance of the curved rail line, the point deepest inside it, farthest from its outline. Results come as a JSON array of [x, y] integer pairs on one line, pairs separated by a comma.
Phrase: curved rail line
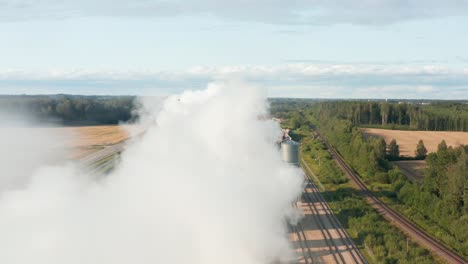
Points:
[[405, 224], [342, 233]]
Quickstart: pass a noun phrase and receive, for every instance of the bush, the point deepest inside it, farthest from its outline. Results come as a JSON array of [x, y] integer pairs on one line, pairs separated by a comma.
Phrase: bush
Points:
[[382, 177]]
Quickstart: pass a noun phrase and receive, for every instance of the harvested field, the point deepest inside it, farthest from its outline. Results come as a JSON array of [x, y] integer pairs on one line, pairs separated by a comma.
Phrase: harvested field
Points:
[[83, 140], [95, 135], [87, 139], [413, 169], [409, 139]]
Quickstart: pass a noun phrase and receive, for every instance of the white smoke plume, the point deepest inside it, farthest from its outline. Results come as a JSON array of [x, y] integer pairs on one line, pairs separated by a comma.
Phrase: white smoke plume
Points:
[[204, 184], [23, 151]]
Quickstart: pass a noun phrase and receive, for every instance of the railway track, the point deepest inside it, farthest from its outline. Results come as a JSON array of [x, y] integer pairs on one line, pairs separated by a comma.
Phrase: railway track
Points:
[[319, 236], [307, 255], [337, 239], [345, 245], [404, 224]]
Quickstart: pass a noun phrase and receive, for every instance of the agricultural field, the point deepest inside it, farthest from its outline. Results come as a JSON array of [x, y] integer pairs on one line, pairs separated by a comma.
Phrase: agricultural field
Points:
[[79, 141], [96, 135], [407, 140], [87, 139]]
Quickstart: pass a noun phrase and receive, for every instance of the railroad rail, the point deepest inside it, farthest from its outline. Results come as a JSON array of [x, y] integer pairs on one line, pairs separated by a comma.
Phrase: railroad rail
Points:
[[400, 221], [344, 237], [344, 245], [307, 254]]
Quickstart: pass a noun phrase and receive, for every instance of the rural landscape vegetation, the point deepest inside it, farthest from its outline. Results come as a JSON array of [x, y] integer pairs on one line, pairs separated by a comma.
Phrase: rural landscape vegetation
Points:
[[437, 201], [233, 132], [427, 187]]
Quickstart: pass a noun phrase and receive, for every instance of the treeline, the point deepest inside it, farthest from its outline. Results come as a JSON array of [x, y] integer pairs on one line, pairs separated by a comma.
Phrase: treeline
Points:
[[367, 155], [382, 242], [438, 116], [70, 109], [291, 111], [439, 203], [443, 195]]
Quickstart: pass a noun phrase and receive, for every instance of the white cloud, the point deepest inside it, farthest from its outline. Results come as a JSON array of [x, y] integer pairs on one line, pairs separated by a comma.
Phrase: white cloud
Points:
[[410, 92], [240, 71], [293, 80], [269, 11], [425, 89]]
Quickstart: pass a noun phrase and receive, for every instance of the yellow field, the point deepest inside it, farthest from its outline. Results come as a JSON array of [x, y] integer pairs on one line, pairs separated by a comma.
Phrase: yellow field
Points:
[[87, 139], [96, 135], [407, 140]]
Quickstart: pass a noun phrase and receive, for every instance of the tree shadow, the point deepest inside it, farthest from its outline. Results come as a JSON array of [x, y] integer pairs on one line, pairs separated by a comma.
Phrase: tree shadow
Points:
[[342, 193]]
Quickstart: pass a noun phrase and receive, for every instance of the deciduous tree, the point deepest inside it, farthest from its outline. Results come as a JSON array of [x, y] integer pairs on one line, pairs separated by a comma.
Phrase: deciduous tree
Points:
[[393, 149], [421, 151]]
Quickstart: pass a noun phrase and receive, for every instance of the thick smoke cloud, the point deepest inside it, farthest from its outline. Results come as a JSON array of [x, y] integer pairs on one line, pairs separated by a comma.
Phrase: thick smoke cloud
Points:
[[23, 151], [204, 184]]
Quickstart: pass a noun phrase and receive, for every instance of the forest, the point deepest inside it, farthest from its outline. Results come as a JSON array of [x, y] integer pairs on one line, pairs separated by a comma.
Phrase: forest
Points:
[[439, 204], [70, 109], [434, 116]]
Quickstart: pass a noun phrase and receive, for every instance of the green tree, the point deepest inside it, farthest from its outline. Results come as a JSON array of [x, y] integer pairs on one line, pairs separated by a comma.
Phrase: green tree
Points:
[[421, 151], [385, 112], [66, 110], [442, 146], [393, 149], [456, 180], [381, 148]]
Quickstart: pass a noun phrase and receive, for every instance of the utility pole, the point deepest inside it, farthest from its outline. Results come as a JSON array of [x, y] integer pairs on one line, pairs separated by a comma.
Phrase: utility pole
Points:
[[407, 246]]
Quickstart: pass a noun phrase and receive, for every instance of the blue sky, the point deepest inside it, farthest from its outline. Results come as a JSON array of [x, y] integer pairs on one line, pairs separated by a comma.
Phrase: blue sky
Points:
[[297, 48]]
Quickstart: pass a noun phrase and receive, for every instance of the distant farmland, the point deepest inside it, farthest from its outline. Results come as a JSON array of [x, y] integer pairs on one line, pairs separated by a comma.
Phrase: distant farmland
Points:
[[95, 135], [407, 140], [80, 141], [87, 139]]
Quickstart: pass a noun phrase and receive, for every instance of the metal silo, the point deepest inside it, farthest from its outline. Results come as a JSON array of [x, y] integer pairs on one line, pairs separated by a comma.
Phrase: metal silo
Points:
[[290, 151]]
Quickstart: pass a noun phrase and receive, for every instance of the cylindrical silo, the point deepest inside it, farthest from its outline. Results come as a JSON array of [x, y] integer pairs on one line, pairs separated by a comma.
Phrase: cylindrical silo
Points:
[[290, 151]]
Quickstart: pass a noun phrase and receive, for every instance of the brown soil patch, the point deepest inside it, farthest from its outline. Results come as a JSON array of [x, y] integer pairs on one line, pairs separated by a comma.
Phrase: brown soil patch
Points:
[[413, 169], [407, 140]]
